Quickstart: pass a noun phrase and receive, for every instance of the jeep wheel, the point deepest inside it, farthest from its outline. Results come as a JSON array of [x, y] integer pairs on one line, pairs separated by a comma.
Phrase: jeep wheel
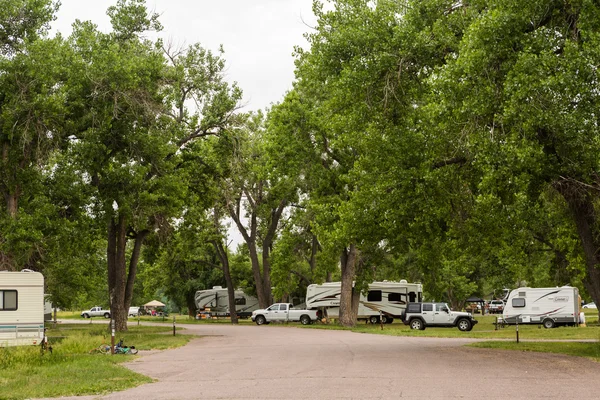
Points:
[[305, 320], [373, 319], [548, 323], [417, 324], [464, 325], [260, 320]]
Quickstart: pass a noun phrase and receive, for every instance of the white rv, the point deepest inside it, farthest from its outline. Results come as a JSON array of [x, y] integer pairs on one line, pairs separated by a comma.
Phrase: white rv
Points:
[[21, 308], [215, 302], [388, 298], [548, 306]]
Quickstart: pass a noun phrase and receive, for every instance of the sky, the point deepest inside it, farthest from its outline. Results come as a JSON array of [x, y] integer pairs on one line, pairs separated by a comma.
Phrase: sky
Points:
[[258, 36]]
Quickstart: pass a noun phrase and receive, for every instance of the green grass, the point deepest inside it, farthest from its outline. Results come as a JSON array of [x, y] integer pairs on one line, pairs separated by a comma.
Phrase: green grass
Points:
[[71, 370], [588, 350], [484, 329]]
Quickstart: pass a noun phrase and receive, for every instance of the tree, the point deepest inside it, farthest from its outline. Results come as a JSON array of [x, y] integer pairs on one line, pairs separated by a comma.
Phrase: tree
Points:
[[132, 121], [256, 197], [32, 108], [522, 87]]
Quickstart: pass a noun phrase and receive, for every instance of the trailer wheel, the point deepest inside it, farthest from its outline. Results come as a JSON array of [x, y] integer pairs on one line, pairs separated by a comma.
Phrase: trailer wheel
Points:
[[389, 320], [260, 320], [417, 324], [548, 323], [373, 319], [464, 325], [305, 320], [106, 315]]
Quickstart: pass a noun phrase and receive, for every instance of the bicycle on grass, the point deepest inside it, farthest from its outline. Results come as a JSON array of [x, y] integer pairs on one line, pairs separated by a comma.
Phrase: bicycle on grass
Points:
[[120, 348]]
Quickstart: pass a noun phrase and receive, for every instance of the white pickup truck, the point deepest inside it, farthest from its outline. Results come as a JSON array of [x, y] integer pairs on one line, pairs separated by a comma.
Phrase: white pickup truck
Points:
[[283, 312], [95, 312]]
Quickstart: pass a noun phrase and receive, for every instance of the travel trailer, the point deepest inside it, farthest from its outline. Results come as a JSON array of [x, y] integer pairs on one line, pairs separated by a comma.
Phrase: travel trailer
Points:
[[21, 308], [215, 303], [386, 298], [547, 306]]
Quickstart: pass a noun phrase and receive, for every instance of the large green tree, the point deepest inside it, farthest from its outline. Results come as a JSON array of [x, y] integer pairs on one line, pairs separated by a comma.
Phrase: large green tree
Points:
[[32, 108], [132, 121]]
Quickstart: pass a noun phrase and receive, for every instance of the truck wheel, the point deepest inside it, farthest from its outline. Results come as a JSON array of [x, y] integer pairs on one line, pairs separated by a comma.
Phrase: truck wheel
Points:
[[260, 320], [464, 325], [548, 323], [417, 324], [86, 316], [373, 319], [305, 320], [106, 315]]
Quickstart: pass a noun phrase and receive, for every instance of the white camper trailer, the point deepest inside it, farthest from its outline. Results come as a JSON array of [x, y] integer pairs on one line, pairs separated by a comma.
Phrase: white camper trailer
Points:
[[215, 302], [388, 298], [548, 306], [21, 308]]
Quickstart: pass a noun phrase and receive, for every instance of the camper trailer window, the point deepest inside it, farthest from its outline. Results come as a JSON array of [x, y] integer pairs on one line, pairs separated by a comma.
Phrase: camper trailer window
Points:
[[395, 297], [518, 302], [427, 307], [8, 300], [374, 295], [240, 301], [412, 297]]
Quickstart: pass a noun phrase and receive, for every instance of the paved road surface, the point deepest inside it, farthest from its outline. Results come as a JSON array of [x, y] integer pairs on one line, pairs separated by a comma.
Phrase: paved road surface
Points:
[[270, 362]]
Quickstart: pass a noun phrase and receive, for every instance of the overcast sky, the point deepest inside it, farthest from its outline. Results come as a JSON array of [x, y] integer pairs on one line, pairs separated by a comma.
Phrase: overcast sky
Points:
[[258, 36]]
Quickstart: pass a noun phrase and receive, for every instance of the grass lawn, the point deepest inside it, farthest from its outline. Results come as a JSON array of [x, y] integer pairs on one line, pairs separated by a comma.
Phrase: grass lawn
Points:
[[588, 350], [484, 329], [71, 370]]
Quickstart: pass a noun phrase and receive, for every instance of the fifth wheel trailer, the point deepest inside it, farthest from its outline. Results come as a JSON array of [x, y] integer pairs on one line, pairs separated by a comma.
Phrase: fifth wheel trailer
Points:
[[215, 302], [547, 306], [386, 298], [21, 308]]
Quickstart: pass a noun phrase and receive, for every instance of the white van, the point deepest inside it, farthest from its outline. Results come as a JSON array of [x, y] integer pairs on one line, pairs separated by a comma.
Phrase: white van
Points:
[[547, 306], [21, 308]]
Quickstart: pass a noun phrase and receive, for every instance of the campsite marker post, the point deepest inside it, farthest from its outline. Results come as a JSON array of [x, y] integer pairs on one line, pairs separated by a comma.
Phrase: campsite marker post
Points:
[[173, 325], [112, 336]]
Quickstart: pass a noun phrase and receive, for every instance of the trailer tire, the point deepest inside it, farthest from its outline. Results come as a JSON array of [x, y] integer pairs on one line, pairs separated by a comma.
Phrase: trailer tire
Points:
[[389, 320], [417, 324], [464, 325], [305, 320], [548, 323], [260, 320], [106, 315], [373, 319]]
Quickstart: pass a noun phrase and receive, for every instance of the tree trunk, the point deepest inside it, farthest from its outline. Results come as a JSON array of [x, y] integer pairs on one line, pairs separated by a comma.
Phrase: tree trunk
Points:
[[120, 278], [347, 295], [226, 271], [263, 301], [582, 208], [190, 302], [266, 274], [12, 204]]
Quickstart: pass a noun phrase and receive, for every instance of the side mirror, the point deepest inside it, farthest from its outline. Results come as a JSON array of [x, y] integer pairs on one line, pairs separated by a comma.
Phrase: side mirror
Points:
[[447, 310]]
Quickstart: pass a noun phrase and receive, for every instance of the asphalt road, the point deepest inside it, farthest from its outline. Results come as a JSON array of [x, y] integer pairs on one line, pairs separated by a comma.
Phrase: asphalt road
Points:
[[271, 362]]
